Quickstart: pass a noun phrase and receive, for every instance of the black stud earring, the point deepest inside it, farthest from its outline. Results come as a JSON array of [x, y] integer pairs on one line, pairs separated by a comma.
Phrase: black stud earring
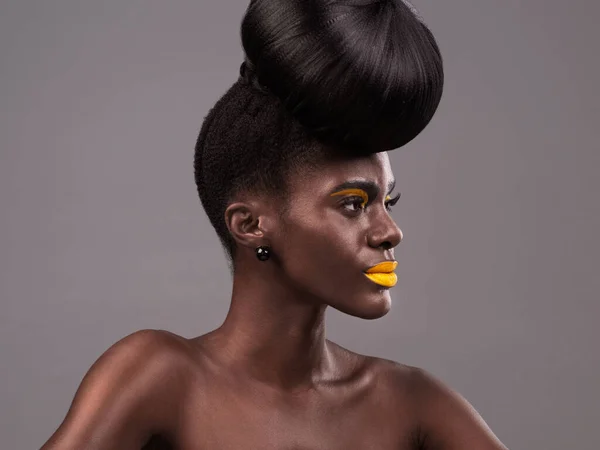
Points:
[[263, 252]]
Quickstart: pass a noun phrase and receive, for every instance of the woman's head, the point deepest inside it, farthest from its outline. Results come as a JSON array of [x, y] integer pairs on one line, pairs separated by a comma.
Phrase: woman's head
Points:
[[326, 88], [333, 225]]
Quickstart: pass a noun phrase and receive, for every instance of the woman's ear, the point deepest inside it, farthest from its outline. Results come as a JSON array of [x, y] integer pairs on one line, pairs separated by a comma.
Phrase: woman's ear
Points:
[[245, 221]]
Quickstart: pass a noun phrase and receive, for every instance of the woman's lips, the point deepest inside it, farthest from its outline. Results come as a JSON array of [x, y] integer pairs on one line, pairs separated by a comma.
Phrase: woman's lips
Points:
[[383, 273]]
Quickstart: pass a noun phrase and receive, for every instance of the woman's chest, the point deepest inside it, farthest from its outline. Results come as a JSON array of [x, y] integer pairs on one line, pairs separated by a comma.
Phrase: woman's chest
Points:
[[231, 421], [243, 433]]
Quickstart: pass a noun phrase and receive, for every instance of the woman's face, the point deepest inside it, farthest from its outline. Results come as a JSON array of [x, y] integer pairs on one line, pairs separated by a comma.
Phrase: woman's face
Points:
[[337, 225]]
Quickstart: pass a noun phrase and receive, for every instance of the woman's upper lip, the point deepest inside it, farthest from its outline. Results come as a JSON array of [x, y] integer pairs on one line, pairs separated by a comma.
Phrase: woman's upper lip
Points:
[[383, 267]]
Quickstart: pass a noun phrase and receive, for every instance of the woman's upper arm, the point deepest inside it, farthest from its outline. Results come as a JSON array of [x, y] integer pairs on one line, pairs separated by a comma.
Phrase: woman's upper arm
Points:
[[113, 406], [448, 421]]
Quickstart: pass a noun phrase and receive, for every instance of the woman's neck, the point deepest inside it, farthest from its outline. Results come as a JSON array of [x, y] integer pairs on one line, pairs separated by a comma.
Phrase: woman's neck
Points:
[[274, 334]]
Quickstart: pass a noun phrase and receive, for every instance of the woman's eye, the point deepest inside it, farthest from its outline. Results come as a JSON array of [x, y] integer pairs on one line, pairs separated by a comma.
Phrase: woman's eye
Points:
[[353, 204], [392, 202]]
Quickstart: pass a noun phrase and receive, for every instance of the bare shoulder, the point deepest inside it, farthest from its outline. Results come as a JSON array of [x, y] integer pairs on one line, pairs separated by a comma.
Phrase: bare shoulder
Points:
[[387, 381], [129, 393], [447, 420], [154, 343], [443, 418], [389, 376]]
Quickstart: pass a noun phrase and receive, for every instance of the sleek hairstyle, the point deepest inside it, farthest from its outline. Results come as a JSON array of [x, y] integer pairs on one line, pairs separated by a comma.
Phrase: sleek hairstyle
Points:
[[320, 76]]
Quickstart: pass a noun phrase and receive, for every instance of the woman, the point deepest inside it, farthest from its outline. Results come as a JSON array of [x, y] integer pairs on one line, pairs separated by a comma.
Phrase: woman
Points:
[[292, 170]]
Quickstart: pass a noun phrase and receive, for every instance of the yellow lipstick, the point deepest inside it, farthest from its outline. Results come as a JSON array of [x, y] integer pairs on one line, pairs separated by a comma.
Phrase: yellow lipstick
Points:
[[383, 273]]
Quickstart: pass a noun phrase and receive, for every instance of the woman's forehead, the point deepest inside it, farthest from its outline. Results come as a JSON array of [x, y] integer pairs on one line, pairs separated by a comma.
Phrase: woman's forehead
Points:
[[375, 168]]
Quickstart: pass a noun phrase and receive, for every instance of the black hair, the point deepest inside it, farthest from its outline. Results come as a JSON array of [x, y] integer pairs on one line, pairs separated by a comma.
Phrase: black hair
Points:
[[320, 76]]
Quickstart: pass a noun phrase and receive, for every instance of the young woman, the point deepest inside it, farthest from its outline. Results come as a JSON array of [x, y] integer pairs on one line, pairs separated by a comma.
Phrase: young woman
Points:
[[292, 170]]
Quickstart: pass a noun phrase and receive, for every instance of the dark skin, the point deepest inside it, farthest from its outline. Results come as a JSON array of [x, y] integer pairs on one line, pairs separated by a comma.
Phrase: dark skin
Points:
[[268, 378]]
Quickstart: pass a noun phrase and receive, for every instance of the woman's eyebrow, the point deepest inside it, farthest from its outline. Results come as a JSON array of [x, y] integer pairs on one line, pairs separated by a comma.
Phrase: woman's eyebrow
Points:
[[368, 186]]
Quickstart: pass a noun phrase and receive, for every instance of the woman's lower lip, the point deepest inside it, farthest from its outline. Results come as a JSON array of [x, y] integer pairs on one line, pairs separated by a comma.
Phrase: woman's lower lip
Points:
[[387, 279]]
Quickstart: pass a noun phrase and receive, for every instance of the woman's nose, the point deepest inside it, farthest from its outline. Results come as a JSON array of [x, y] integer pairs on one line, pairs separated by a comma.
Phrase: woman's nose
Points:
[[387, 235]]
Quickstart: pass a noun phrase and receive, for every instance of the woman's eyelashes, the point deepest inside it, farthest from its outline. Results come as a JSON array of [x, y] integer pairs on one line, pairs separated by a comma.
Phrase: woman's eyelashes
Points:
[[356, 204], [391, 201]]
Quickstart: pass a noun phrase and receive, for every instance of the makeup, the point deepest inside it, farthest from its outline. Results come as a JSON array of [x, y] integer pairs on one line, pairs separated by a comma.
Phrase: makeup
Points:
[[383, 273], [369, 187], [357, 192], [365, 189]]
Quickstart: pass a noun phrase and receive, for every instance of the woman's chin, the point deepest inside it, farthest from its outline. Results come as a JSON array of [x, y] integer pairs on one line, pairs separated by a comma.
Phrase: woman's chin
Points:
[[373, 305]]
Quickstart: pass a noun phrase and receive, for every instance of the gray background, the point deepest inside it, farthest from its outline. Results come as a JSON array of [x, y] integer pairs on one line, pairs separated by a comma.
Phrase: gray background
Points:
[[102, 234]]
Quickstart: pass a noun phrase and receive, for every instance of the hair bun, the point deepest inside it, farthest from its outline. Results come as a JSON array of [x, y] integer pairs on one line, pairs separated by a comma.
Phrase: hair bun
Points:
[[364, 74]]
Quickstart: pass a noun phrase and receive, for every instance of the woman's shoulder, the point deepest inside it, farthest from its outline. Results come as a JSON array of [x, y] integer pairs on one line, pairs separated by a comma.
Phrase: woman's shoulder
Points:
[[149, 349], [378, 367], [180, 358], [444, 417], [393, 379], [396, 378], [125, 395]]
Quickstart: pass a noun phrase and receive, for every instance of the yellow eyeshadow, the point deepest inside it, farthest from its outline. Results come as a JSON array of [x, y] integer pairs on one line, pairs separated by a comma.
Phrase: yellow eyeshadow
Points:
[[388, 198], [358, 192]]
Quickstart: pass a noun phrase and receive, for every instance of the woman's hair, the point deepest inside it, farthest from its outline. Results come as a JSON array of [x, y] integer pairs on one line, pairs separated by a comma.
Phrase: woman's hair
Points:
[[353, 77]]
